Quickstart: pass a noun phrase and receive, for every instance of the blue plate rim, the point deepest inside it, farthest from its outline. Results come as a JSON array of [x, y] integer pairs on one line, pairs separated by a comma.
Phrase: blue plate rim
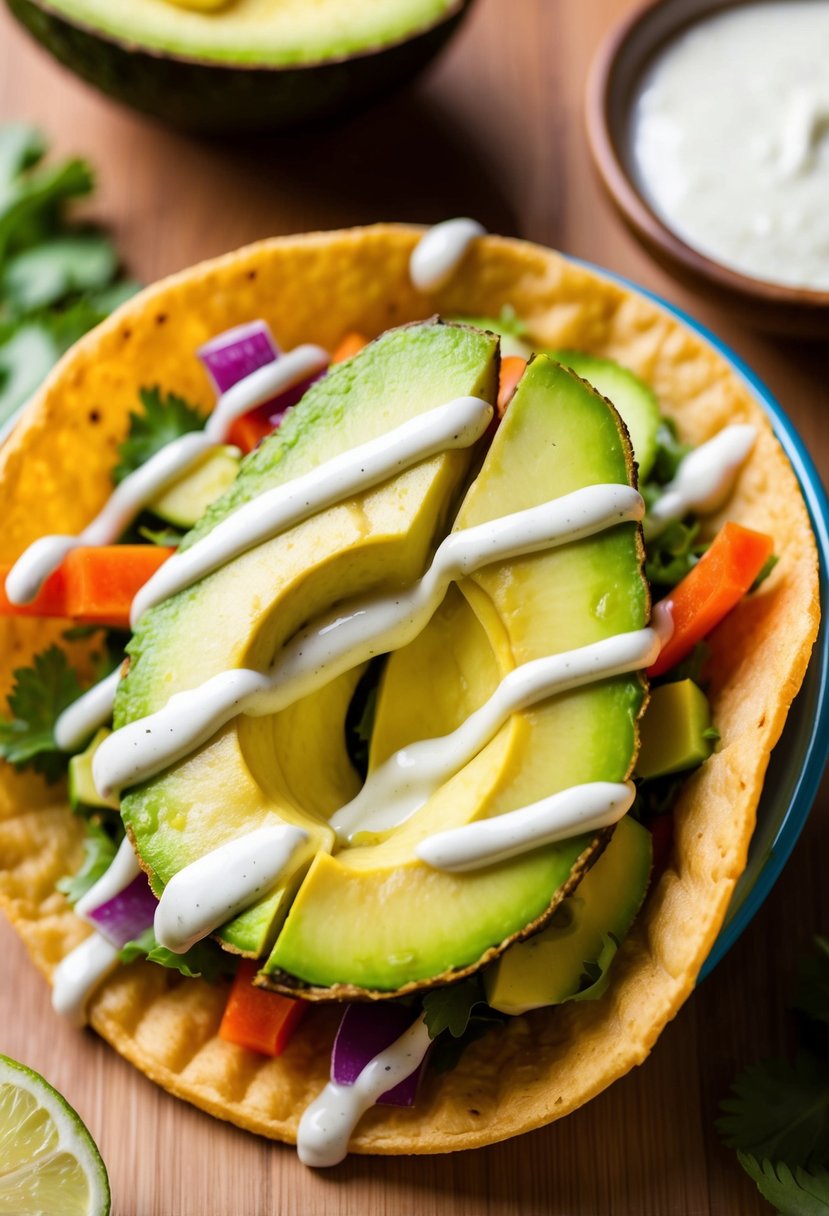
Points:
[[817, 747]]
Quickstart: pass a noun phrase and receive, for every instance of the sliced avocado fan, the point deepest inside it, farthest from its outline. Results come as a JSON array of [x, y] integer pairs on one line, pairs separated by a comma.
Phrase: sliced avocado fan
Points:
[[293, 766], [373, 918]]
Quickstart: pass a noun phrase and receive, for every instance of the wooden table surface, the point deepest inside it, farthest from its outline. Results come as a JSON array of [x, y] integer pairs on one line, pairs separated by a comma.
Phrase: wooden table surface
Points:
[[494, 130]]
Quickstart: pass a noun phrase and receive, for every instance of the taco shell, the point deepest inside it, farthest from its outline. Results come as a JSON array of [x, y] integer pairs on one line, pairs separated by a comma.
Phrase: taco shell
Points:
[[55, 476]]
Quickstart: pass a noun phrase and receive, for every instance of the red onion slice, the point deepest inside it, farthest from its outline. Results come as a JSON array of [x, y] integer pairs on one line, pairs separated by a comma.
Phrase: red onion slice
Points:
[[126, 915], [236, 353], [365, 1031]]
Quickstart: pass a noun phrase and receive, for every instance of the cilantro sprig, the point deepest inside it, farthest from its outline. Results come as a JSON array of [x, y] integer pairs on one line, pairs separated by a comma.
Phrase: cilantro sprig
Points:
[[160, 420], [100, 847], [40, 694], [58, 279], [777, 1116], [204, 960], [455, 1017]]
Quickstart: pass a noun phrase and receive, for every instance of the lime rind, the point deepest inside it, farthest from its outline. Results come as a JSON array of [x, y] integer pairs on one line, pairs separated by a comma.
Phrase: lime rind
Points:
[[48, 1160]]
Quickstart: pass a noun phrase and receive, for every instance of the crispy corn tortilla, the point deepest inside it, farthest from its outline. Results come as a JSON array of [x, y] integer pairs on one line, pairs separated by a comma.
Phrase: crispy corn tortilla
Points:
[[55, 475]]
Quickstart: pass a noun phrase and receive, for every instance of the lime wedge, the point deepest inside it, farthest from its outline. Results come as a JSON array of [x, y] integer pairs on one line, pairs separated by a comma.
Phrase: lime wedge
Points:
[[49, 1164]]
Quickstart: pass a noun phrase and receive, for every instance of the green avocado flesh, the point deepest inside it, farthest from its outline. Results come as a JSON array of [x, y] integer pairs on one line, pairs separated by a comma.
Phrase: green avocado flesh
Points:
[[550, 967], [675, 730], [184, 502], [82, 788], [259, 31], [374, 916], [634, 400], [293, 766]]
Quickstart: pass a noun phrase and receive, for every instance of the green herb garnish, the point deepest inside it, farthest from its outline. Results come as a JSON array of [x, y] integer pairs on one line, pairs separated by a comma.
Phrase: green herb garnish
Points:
[[39, 696], [205, 960], [777, 1115], [161, 420], [100, 847]]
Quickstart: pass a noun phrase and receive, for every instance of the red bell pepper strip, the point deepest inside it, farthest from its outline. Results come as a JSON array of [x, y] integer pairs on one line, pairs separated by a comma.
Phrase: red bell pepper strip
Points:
[[257, 1019], [93, 585], [247, 432], [709, 592]]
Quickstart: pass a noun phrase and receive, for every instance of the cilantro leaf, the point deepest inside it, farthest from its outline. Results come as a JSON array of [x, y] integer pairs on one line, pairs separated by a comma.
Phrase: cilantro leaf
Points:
[[21, 146], [205, 960], [162, 420], [99, 848], [28, 200], [670, 452], [674, 553], [40, 694], [797, 1192], [780, 1111], [47, 273], [451, 1008]]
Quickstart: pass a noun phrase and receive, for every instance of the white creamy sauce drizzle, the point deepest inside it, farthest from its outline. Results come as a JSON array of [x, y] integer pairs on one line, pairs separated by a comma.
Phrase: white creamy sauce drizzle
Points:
[[440, 251], [371, 626], [740, 167], [328, 1123], [121, 872], [79, 974], [83, 717], [30, 571], [216, 887], [400, 786], [704, 478], [457, 424], [582, 808]]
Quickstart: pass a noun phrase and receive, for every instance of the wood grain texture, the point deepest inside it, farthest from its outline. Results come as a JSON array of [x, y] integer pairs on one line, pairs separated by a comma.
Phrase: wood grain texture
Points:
[[495, 130]]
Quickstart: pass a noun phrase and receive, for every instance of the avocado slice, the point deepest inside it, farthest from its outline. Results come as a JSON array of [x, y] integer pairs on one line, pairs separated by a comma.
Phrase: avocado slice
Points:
[[635, 400], [82, 788], [257, 768], [676, 730], [374, 917], [184, 502], [586, 930], [251, 65]]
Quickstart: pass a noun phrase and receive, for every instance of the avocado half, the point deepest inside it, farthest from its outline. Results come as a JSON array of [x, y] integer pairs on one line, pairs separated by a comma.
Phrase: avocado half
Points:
[[209, 85]]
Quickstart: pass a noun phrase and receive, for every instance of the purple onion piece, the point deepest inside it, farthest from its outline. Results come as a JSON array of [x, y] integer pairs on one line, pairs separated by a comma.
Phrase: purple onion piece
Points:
[[236, 353], [127, 914], [365, 1031]]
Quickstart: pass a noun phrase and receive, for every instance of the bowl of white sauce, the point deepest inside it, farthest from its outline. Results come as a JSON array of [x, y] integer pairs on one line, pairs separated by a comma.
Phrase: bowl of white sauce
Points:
[[709, 124]]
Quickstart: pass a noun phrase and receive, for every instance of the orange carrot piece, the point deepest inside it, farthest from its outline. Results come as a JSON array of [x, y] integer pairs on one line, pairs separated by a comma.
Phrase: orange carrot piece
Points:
[[93, 585], [51, 600], [512, 369], [248, 431], [350, 345], [257, 1019], [710, 591]]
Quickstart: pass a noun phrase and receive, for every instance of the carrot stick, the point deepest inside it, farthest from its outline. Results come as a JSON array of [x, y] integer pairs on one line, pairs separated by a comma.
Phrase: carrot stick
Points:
[[512, 369], [350, 345], [257, 1019], [93, 585], [710, 591], [50, 600]]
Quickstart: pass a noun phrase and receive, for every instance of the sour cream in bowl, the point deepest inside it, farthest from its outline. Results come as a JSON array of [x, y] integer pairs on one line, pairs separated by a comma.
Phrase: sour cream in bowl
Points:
[[709, 123]]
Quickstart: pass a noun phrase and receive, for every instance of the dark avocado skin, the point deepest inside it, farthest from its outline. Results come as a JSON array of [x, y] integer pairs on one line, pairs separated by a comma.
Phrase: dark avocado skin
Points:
[[218, 98]]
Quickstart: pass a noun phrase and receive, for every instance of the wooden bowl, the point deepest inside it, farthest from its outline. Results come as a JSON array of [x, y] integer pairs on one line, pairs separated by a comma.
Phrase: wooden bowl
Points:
[[612, 85]]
